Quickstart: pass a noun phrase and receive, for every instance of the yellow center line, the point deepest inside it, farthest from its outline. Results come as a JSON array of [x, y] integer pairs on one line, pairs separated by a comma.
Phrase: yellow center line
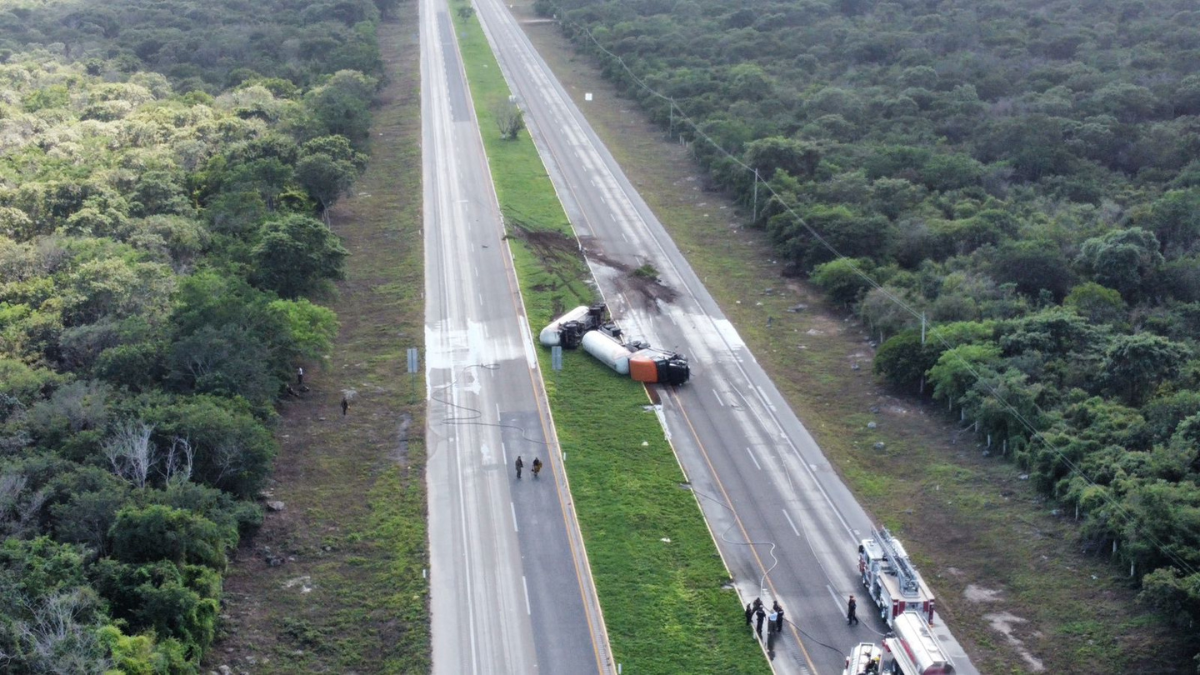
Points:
[[738, 520]]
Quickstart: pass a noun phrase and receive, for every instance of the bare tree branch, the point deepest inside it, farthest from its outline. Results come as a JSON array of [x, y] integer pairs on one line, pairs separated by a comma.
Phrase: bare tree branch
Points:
[[131, 453]]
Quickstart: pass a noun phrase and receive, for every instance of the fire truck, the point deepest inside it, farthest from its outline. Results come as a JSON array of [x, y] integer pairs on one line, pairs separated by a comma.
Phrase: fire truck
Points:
[[891, 579], [865, 659], [914, 649]]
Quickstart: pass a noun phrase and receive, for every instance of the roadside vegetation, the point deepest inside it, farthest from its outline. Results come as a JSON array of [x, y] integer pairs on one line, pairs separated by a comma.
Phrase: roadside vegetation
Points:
[[1074, 383], [165, 180], [657, 571], [335, 581]]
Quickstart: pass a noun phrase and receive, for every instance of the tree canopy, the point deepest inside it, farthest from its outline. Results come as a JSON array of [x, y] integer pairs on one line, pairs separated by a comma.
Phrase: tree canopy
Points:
[[165, 169], [1024, 174]]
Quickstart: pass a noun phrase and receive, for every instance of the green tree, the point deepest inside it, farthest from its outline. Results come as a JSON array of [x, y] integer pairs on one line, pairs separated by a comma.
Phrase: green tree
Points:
[[844, 280], [1122, 259], [797, 158], [310, 328], [1134, 365], [1175, 594], [325, 179], [958, 368], [1097, 304], [155, 532], [944, 172], [233, 451], [296, 254], [903, 360], [342, 105], [1174, 219], [1033, 266], [173, 601]]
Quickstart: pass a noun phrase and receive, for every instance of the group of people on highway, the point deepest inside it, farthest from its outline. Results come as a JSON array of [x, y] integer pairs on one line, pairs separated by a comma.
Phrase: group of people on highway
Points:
[[537, 466], [755, 610]]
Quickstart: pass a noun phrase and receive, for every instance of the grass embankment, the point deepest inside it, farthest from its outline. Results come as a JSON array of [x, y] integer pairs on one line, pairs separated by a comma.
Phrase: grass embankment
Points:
[[349, 595], [967, 519], [662, 600]]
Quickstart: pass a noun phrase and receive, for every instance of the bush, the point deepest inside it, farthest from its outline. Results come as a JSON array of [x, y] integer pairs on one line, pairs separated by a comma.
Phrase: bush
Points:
[[155, 532], [844, 280]]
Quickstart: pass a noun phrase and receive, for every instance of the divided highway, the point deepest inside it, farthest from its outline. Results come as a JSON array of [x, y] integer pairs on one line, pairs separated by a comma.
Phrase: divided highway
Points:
[[510, 588], [787, 526]]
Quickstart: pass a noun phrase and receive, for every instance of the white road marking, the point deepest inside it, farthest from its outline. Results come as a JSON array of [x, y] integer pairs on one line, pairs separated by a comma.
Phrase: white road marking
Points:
[[718, 397], [526, 587], [752, 458], [514, 512], [789, 519]]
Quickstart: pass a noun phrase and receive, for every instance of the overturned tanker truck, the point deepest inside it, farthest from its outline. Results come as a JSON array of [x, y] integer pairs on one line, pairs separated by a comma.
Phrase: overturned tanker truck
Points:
[[590, 328]]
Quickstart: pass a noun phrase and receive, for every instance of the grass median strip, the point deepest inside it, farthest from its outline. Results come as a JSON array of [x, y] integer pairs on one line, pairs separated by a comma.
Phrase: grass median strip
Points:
[[657, 570]]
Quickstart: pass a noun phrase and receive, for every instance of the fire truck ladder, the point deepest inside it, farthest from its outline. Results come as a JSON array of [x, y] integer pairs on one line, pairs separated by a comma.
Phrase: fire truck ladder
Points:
[[906, 574]]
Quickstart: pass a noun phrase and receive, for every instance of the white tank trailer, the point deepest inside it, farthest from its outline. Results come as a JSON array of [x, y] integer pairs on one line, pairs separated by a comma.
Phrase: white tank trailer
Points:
[[590, 328], [550, 335], [607, 350]]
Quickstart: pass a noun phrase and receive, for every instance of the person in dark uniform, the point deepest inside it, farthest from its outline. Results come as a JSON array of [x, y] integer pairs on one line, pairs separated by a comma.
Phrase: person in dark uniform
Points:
[[520, 465], [778, 617], [851, 618], [749, 612], [345, 405], [761, 614]]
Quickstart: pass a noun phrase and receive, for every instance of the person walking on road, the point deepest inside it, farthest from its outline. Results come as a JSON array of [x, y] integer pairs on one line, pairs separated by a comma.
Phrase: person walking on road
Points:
[[761, 614], [520, 465], [345, 405], [851, 618], [537, 466]]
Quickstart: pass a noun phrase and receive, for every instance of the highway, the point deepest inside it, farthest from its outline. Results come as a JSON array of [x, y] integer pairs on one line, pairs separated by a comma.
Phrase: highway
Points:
[[510, 588], [787, 526]]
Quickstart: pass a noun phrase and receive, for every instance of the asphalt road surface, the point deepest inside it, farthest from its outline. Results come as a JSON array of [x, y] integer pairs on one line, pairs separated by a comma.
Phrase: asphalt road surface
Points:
[[787, 526], [510, 587]]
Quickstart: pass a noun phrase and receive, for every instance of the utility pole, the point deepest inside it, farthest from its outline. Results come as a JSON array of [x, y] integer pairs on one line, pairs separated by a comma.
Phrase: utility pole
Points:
[[755, 216]]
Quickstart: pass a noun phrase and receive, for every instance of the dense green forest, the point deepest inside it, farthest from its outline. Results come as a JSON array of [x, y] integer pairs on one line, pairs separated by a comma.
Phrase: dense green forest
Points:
[[1025, 175], [164, 169]]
